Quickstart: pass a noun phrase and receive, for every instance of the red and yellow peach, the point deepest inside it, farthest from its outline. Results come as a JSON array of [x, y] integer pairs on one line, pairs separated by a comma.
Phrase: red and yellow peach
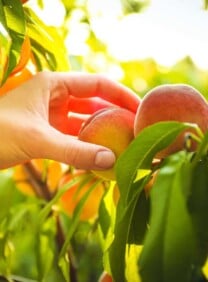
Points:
[[111, 127], [172, 102]]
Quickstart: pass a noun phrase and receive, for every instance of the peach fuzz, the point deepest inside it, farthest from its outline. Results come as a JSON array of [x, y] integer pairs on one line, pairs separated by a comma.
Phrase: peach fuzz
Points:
[[111, 127], [172, 102]]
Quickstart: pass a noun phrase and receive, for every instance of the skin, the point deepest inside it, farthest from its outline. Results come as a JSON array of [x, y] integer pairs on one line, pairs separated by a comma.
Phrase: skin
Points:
[[113, 128], [177, 102], [34, 119]]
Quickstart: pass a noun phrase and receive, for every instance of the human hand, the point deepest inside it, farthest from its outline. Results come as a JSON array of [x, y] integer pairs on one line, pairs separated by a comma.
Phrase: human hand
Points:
[[34, 118]]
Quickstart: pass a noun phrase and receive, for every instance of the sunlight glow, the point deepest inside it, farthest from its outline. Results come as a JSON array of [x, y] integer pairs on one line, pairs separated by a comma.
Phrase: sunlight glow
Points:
[[166, 31]]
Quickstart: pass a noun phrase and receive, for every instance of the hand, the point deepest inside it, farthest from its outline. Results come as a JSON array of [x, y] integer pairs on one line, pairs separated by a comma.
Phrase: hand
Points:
[[35, 120]]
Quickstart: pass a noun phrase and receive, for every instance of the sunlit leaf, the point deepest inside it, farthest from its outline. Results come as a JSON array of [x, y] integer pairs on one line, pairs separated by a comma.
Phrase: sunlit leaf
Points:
[[130, 227], [106, 218], [132, 255], [15, 24], [141, 173], [48, 44], [5, 43], [134, 6]]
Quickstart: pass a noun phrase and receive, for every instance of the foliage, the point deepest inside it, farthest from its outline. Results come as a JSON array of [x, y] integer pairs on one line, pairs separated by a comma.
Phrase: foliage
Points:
[[205, 4], [136, 234]]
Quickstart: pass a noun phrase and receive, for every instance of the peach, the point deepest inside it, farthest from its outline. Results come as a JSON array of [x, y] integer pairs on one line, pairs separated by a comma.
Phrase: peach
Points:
[[172, 102], [111, 127]]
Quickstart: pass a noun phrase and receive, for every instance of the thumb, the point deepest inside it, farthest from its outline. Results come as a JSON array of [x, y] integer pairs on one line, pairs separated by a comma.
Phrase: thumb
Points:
[[68, 149]]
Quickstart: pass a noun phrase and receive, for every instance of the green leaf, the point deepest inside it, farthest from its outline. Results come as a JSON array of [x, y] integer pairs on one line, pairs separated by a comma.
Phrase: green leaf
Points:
[[130, 227], [48, 45], [21, 279], [14, 15], [205, 4], [64, 266], [2, 16], [198, 207], [139, 220], [5, 42], [104, 216], [16, 27], [170, 245], [45, 249], [107, 211], [142, 150], [202, 149], [9, 195], [76, 215], [141, 173], [63, 255], [48, 207], [133, 207], [133, 252]]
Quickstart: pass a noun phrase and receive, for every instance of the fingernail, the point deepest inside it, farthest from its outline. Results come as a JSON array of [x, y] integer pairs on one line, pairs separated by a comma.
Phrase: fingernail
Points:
[[105, 159]]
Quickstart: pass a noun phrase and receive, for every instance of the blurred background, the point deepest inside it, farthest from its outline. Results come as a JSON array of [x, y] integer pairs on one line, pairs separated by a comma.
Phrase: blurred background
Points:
[[141, 43]]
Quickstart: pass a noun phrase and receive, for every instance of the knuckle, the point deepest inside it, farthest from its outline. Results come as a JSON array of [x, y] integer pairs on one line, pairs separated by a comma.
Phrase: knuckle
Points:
[[80, 155], [72, 154]]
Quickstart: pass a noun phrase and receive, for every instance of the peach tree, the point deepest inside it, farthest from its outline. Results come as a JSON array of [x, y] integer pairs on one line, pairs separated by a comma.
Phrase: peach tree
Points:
[[58, 223]]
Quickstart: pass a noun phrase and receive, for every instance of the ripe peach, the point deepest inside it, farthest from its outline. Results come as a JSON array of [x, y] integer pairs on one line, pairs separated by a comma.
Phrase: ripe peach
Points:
[[111, 127], [172, 102]]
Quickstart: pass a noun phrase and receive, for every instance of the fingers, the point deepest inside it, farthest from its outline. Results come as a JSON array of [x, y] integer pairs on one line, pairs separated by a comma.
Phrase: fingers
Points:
[[80, 110], [84, 85], [75, 122], [69, 150], [87, 105]]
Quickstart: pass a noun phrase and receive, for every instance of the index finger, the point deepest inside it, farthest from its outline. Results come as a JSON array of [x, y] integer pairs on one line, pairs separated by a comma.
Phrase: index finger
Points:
[[85, 85]]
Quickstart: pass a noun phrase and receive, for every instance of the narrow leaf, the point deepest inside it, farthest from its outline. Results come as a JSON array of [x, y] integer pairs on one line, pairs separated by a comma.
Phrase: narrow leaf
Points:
[[16, 27], [138, 157], [127, 231], [75, 220], [198, 208], [170, 246], [47, 44], [142, 150]]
